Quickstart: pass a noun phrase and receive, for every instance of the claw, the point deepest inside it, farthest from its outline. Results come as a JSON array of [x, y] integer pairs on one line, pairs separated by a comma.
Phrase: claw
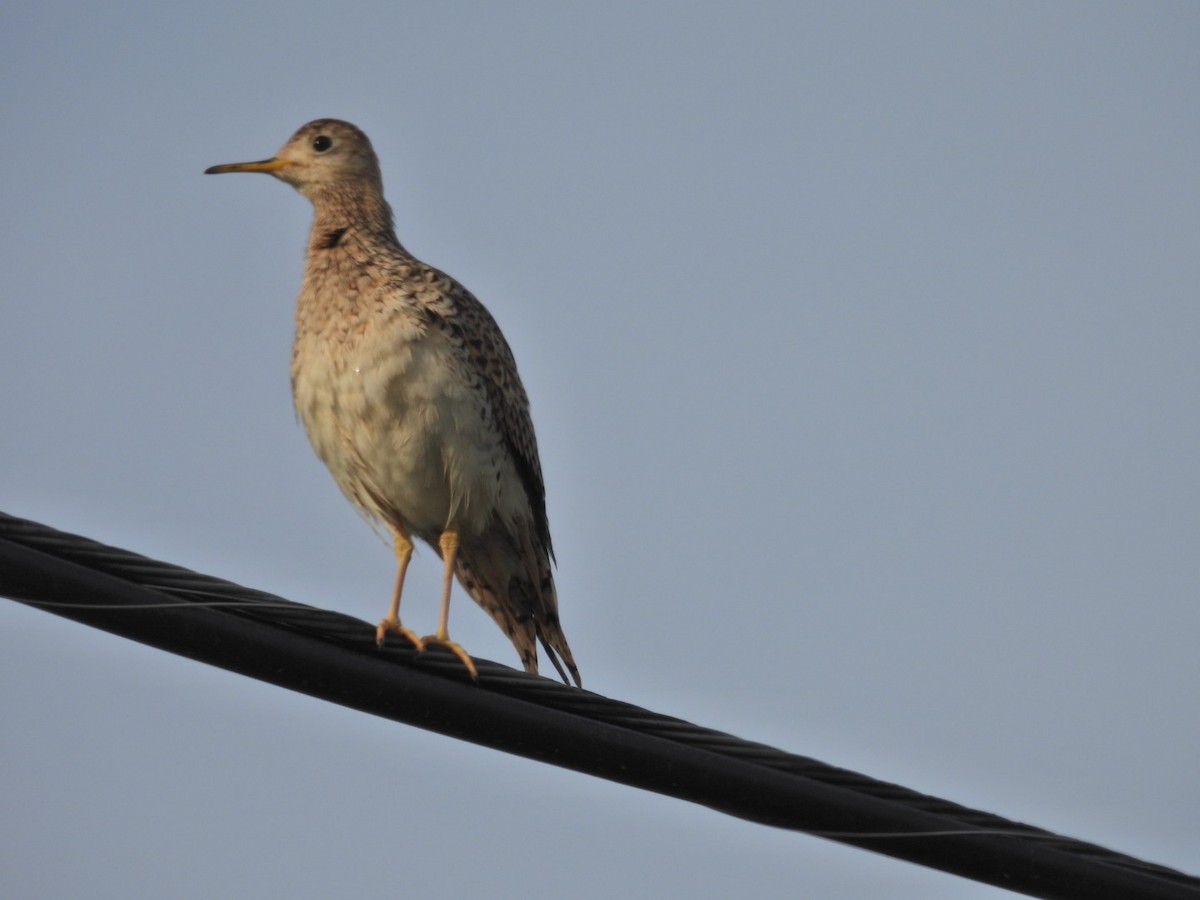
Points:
[[432, 640], [393, 626]]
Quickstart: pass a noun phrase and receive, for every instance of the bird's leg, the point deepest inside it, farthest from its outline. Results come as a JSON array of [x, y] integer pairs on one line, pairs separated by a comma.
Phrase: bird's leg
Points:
[[448, 543], [391, 622]]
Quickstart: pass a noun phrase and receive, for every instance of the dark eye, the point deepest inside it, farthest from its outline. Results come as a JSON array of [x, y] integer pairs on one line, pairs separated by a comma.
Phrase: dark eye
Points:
[[322, 142]]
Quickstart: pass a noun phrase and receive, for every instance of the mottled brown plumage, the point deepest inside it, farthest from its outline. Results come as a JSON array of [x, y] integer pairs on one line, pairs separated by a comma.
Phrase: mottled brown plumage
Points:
[[410, 395]]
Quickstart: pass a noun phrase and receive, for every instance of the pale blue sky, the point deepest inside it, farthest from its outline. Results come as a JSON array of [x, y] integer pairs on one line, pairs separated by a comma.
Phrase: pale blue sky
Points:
[[862, 341]]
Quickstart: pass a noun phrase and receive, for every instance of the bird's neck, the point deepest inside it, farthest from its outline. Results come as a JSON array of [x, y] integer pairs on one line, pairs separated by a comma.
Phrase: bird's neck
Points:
[[339, 215]]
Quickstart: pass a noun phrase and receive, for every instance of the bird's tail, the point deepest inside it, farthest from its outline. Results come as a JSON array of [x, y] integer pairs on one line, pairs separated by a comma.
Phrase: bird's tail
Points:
[[510, 578]]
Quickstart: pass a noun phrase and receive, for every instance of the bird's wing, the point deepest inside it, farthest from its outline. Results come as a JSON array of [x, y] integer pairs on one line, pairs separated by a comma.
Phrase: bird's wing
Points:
[[488, 356]]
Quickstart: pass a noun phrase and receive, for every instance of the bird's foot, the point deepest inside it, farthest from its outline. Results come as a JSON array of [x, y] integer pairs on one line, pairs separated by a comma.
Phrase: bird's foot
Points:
[[433, 640], [393, 626]]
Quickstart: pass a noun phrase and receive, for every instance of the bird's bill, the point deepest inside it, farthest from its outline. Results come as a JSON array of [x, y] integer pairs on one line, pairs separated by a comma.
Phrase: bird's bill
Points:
[[263, 165]]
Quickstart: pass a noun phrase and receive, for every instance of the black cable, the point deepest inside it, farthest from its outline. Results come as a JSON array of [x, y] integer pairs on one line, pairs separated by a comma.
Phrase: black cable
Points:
[[334, 657]]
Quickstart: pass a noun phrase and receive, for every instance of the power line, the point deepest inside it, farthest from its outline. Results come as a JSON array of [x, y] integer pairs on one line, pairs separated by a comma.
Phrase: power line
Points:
[[334, 657]]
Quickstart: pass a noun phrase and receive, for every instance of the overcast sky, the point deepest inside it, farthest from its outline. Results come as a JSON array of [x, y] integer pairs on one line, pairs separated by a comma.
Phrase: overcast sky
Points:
[[863, 341]]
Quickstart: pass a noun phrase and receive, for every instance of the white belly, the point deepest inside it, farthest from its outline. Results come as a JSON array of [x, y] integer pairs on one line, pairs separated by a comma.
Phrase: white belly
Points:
[[405, 434]]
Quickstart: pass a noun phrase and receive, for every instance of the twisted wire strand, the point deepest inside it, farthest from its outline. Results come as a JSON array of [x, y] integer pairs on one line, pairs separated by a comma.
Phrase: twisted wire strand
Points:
[[931, 830]]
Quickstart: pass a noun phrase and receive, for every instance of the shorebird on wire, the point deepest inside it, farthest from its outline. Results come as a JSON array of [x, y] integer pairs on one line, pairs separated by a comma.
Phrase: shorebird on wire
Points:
[[410, 395]]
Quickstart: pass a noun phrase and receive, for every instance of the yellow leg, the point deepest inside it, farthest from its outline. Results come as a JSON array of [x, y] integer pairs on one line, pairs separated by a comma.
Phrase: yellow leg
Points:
[[391, 622], [448, 543]]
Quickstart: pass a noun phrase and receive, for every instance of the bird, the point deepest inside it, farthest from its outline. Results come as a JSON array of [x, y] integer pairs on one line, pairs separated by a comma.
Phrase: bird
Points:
[[409, 393]]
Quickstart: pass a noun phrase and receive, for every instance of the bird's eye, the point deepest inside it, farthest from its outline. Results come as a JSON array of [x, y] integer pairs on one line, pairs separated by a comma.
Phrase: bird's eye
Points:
[[321, 143]]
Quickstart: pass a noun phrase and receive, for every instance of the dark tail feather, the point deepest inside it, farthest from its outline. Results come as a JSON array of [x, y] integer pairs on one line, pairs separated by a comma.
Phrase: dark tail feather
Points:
[[514, 585], [556, 646]]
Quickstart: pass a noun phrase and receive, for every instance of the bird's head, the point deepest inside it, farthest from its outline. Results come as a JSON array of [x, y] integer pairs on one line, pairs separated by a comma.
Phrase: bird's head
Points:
[[324, 154]]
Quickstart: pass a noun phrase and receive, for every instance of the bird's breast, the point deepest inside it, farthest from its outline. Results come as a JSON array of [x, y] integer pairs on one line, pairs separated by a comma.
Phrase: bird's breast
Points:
[[405, 430]]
